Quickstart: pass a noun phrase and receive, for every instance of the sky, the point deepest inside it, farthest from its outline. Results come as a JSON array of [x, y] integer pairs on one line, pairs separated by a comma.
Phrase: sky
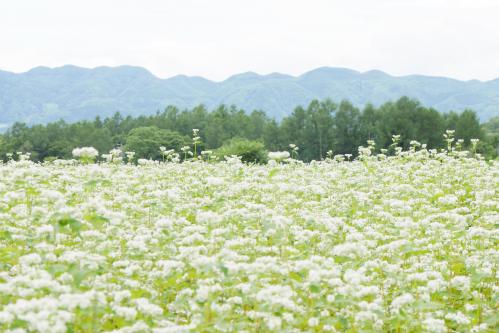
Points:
[[218, 38]]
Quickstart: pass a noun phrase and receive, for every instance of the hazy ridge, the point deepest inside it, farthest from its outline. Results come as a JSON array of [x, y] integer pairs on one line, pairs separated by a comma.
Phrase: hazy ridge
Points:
[[74, 93]]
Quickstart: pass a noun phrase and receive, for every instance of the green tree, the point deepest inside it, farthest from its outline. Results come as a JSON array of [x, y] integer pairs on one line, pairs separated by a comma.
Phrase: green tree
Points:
[[321, 129], [145, 141], [347, 134], [468, 127]]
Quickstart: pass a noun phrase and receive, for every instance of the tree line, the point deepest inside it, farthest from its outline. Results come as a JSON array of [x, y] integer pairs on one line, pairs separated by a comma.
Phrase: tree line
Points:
[[321, 127]]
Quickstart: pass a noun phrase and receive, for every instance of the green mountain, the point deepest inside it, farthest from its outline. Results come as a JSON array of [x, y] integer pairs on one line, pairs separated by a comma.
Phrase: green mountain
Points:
[[74, 93]]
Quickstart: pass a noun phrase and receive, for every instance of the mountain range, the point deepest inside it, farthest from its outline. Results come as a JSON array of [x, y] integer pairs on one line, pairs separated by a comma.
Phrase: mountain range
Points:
[[74, 93]]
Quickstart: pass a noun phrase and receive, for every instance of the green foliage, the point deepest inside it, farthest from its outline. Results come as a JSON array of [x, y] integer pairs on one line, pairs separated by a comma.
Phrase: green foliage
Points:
[[490, 146], [145, 141], [249, 151], [320, 127], [468, 127]]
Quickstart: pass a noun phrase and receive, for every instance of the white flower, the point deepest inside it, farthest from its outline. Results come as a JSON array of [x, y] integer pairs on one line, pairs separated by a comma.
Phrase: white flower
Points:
[[279, 155], [147, 307], [126, 312], [461, 282], [165, 247], [6, 317], [458, 318], [85, 152], [435, 325], [274, 323], [400, 301], [313, 322]]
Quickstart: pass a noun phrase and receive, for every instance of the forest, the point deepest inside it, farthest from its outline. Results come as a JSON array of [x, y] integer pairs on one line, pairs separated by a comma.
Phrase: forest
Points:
[[321, 128]]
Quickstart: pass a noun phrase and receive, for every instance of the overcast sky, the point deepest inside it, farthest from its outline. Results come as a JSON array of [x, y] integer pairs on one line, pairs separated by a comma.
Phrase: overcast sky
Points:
[[218, 38]]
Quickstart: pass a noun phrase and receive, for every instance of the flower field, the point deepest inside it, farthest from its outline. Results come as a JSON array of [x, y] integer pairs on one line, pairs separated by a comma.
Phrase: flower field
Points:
[[405, 243]]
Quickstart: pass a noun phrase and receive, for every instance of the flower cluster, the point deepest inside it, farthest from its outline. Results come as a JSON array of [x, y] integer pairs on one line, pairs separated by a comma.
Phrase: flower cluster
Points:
[[404, 243], [279, 156], [85, 153]]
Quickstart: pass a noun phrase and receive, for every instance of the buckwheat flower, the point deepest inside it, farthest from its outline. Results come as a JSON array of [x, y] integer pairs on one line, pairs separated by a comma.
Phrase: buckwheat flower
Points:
[[364, 291], [273, 322], [328, 328], [137, 327], [221, 308], [365, 316], [30, 259], [351, 250], [65, 278], [470, 307], [127, 313], [435, 325], [121, 295], [214, 181], [277, 295], [458, 317], [401, 301], [116, 154], [82, 301], [172, 328], [85, 152], [229, 237], [479, 328], [313, 322], [450, 132], [235, 300], [148, 308], [6, 317], [143, 161], [461, 283], [130, 155], [363, 151], [448, 199], [44, 229], [203, 293], [415, 143], [279, 155], [288, 317]]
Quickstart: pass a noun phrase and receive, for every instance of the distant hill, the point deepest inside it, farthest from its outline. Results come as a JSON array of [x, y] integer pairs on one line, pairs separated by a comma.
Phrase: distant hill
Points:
[[74, 93]]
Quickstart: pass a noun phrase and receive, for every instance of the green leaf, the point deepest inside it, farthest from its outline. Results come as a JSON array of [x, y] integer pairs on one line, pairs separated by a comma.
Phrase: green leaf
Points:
[[493, 320], [6, 235], [315, 288], [56, 269], [73, 224], [97, 220], [341, 259], [224, 269], [273, 172]]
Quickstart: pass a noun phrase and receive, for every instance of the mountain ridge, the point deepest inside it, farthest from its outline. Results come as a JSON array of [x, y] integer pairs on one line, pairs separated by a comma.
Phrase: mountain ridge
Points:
[[62, 67], [73, 93]]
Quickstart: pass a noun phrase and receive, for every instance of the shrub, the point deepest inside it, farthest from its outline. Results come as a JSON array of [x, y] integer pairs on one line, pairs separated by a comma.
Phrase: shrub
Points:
[[145, 141], [249, 151]]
